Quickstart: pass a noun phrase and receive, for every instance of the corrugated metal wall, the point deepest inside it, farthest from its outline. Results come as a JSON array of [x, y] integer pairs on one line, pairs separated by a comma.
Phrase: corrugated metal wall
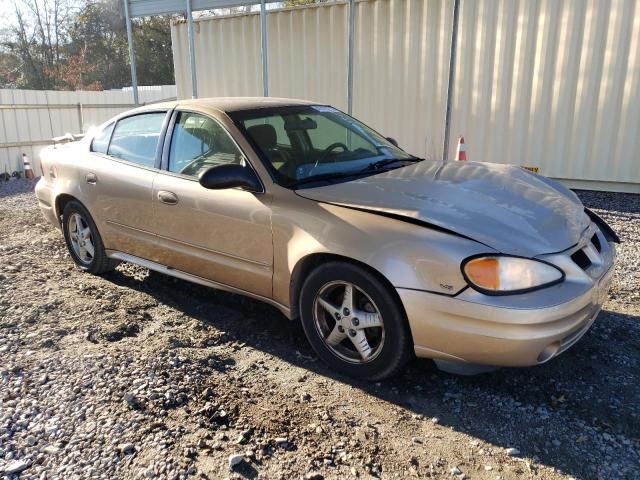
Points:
[[30, 118], [547, 83], [227, 56], [400, 70], [308, 54], [553, 84]]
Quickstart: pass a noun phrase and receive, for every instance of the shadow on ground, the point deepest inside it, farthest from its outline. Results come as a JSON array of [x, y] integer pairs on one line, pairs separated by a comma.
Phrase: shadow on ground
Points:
[[551, 406]]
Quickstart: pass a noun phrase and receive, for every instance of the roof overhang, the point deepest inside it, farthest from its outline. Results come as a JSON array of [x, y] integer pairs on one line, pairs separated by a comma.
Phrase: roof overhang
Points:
[[144, 8]]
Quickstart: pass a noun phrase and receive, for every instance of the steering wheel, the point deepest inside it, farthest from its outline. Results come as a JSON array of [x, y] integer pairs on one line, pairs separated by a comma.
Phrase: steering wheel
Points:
[[327, 151]]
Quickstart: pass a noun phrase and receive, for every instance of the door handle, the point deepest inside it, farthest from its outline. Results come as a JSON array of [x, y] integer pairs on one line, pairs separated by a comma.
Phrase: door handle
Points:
[[169, 198], [91, 178]]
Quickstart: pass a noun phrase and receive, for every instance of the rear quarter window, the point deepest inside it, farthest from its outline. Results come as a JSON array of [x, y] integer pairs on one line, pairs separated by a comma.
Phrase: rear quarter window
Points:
[[100, 142]]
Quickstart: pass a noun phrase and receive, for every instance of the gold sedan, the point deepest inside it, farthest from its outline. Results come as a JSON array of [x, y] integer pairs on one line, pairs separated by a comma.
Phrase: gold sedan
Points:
[[382, 255]]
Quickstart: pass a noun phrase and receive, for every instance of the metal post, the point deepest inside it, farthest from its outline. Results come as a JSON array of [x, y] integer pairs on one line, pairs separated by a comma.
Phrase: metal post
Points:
[[451, 79], [80, 117], [132, 53], [192, 52], [352, 20], [263, 49]]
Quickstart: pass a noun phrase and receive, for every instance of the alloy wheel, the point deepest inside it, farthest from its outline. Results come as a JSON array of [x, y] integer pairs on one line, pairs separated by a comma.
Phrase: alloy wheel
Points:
[[349, 322], [81, 238]]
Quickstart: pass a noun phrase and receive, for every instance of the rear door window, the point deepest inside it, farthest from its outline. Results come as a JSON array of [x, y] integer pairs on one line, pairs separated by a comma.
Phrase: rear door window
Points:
[[135, 139]]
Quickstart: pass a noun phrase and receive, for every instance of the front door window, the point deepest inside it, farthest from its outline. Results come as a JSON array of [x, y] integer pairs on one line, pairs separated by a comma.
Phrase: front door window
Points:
[[199, 143]]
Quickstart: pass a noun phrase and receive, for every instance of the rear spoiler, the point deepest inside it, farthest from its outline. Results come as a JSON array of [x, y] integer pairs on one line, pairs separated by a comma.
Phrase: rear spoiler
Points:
[[67, 138]]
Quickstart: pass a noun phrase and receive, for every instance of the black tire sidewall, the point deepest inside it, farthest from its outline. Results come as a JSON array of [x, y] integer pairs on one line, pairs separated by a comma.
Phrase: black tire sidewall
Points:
[[397, 348], [99, 256]]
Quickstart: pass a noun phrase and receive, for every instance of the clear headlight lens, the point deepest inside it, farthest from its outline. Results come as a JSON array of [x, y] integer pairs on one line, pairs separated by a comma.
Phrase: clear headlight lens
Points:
[[503, 274]]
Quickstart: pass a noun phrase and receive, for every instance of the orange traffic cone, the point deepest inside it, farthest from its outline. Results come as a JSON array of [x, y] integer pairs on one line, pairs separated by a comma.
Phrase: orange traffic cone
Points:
[[462, 151]]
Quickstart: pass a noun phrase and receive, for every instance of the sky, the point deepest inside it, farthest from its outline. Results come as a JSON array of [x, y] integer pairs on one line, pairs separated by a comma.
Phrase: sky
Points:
[[7, 11]]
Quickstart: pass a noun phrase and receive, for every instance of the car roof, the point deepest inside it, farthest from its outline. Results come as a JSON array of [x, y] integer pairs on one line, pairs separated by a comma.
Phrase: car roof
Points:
[[229, 104]]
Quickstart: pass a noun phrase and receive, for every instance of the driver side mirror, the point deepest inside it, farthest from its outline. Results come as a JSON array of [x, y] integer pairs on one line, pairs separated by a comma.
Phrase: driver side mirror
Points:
[[230, 176], [393, 141]]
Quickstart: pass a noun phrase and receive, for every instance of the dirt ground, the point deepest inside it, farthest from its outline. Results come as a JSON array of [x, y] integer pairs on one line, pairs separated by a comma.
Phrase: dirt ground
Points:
[[138, 375]]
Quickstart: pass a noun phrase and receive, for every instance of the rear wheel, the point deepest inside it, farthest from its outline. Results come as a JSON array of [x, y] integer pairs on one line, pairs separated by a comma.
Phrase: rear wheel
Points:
[[353, 322], [84, 241]]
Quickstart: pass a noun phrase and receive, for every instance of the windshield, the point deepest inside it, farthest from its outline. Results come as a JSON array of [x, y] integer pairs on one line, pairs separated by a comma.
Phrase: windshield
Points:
[[302, 144]]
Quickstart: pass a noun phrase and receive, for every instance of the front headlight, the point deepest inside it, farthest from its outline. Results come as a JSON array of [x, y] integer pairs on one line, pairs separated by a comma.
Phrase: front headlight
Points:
[[501, 274]]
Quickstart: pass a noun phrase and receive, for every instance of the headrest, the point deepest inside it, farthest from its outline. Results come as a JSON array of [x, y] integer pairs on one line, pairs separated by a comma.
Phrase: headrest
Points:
[[223, 142], [202, 134], [264, 135]]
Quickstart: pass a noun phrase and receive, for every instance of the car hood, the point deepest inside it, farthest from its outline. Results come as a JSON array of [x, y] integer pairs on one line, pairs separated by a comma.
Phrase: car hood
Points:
[[505, 207]]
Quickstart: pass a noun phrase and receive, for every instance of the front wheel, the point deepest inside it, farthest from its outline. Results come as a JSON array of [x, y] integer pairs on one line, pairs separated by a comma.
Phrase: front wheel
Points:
[[84, 241], [353, 322]]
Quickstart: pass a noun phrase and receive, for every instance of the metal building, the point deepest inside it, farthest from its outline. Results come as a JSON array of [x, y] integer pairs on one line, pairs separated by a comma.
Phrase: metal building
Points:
[[553, 84]]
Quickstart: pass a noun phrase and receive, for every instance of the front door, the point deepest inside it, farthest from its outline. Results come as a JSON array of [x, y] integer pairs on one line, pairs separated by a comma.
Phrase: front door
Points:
[[219, 235]]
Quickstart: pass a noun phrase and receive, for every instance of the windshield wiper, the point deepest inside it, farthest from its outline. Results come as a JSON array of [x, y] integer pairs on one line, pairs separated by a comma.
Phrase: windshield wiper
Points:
[[327, 176], [377, 165], [365, 171]]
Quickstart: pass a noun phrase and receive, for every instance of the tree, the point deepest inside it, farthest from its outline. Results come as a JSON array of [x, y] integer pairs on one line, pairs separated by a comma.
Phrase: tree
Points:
[[9, 70], [100, 31], [76, 73], [97, 34], [297, 3], [154, 55], [36, 38], [82, 44]]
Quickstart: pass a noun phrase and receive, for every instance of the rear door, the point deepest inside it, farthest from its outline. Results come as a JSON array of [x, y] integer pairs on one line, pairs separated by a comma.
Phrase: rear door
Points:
[[125, 161], [219, 235]]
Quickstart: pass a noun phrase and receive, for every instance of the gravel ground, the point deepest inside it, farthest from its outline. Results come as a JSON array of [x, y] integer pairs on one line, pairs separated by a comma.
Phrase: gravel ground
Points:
[[137, 375]]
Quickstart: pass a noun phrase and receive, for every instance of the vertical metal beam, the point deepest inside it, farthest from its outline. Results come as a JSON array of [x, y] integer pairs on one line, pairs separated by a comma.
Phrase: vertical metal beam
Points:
[[132, 53], [263, 48], [192, 52], [80, 117], [451, 79], [350, 33]]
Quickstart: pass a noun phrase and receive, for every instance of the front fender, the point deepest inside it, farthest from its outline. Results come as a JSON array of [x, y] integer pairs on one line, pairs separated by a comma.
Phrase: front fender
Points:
[[408, 255]]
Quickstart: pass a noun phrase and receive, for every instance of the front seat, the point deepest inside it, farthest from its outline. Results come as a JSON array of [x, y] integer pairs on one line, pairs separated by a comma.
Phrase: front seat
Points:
[[267, 139]]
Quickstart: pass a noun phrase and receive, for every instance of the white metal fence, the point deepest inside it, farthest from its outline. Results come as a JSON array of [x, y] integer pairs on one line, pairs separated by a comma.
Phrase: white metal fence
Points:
[[553, 84], [30, 118]]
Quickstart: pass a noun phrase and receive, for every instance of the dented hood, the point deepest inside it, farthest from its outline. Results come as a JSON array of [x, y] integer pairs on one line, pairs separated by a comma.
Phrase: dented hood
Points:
[[504, 207]]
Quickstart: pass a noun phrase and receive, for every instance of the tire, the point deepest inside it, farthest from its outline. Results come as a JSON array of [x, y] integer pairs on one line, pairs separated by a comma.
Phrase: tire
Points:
[[93, 260], [335, 332]]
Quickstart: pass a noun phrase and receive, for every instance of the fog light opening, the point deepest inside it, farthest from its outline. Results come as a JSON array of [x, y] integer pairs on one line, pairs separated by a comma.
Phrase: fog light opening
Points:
[[548, 352]]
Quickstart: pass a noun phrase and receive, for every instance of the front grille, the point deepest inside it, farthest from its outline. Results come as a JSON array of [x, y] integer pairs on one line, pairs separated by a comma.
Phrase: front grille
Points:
[[581, 259], [590, 254]]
